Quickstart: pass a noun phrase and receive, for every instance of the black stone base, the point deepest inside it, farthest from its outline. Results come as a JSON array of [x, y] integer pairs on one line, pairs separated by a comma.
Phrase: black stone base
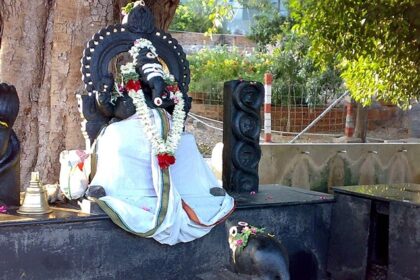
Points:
[[72, 245], [375, 231]]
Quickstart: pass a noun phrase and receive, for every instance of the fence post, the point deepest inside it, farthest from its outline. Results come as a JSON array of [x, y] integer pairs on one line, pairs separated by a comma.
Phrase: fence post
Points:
[[349, 127], [268, 81]]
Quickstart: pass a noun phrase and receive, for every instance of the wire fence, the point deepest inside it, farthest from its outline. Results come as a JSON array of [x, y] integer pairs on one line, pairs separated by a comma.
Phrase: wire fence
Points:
[[293, 109], [296, 106]]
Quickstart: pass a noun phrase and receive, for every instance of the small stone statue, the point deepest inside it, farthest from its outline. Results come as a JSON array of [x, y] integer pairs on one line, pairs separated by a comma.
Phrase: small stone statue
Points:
[[9, 147], [257, 253]]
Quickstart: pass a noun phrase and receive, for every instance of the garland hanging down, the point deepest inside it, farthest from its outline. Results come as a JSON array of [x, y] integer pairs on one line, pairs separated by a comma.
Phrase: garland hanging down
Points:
[[164, 149]]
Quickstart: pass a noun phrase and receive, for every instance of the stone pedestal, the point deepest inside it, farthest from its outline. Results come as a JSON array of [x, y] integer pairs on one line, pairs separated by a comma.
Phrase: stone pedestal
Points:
[[69, 244]]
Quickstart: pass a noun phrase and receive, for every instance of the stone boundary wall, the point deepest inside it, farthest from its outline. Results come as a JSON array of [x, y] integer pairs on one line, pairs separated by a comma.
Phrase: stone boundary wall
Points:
[[192, 42], [321, 166]]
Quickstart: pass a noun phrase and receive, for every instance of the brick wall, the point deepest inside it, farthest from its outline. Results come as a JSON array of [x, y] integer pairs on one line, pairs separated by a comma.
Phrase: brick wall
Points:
[[300, 117]]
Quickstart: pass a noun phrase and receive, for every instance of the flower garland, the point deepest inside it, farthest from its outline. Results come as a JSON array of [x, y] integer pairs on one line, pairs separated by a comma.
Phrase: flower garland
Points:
[[164, 150], [141, 44], [130, 83], [240, 239]]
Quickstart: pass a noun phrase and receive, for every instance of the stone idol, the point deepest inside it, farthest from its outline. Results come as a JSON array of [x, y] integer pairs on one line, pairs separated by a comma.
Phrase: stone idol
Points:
[[9, 147], [154, 181]]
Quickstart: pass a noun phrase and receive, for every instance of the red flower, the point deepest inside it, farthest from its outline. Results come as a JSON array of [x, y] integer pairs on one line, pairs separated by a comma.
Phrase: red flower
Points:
[[165, 160], [172, 88], [133, 85], [81, 165]]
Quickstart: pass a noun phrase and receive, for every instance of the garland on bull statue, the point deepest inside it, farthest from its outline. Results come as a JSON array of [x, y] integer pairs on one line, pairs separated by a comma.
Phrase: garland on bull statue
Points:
[[130, 84]]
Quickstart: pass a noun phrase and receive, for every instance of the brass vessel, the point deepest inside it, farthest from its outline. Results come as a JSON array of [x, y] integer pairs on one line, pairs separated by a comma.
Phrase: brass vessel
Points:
[[35, 201]]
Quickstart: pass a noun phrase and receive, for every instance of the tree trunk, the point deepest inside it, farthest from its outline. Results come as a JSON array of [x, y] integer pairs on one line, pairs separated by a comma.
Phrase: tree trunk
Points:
[[22, 64], [41, 46], [360, 130], [163, 10]]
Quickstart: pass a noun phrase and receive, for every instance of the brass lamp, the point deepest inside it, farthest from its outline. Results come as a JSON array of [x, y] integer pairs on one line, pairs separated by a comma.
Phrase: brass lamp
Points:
[[35, 201]]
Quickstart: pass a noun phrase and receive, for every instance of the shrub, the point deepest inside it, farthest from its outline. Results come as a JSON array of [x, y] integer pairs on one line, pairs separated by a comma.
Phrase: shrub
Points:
[[210, 68], [297, 79]]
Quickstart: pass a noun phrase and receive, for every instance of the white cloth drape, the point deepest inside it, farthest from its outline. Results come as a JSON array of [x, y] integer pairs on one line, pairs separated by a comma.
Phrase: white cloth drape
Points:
[[131, 178]]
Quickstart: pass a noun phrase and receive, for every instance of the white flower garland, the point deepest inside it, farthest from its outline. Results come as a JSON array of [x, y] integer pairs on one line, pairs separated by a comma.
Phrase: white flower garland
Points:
[[159, 145], [141, 44]]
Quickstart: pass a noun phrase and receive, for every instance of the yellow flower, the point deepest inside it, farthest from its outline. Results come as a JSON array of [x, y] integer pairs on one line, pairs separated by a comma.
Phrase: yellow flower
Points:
[[4, 124]]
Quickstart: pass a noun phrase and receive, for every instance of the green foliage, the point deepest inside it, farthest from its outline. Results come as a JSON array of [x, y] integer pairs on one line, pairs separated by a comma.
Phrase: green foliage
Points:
[[375, 43], [267, 24], [297, 78], [210, 68], [201, 16], [263, 6], [266, 28], [127, 8], [187, 19]]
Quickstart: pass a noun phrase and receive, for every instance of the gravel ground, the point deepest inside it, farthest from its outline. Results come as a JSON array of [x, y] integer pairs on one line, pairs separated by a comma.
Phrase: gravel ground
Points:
[[206, 137]]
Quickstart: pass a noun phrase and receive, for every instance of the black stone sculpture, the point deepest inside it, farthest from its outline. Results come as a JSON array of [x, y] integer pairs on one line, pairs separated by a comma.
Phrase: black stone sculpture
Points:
[[99, 82], [263, 257], [241, 132], [9, 147]]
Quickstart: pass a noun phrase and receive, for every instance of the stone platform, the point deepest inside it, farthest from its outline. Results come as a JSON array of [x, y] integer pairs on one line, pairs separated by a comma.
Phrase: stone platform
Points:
[[69, 244]]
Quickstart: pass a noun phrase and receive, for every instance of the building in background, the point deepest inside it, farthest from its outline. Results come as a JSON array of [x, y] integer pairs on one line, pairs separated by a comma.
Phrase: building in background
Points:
[[243, 17]]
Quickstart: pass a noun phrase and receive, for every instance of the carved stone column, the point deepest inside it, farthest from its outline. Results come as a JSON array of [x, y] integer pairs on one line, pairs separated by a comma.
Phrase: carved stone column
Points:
[[241, 133]]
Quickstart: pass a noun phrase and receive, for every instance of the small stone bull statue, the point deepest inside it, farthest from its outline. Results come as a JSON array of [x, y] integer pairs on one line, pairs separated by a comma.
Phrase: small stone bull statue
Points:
[[257, 253]]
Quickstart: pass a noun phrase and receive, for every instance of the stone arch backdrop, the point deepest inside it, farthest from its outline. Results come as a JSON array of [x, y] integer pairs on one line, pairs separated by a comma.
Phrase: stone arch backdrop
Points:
[[41, 44]]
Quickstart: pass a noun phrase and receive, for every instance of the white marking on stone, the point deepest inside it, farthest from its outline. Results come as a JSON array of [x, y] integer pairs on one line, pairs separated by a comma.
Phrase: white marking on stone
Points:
[[151, 65], [152, 75]]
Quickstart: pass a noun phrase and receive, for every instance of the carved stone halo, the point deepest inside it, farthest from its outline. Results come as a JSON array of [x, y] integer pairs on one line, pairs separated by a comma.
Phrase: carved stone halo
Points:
[[116, 39]]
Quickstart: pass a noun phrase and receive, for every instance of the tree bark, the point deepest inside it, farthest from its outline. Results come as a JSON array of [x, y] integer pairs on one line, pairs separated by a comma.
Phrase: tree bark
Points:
[[41, 46], [21, 64], [360, 130]]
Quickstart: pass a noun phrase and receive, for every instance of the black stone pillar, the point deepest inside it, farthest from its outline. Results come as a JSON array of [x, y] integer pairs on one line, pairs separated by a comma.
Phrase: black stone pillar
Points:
[[241, 133]]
